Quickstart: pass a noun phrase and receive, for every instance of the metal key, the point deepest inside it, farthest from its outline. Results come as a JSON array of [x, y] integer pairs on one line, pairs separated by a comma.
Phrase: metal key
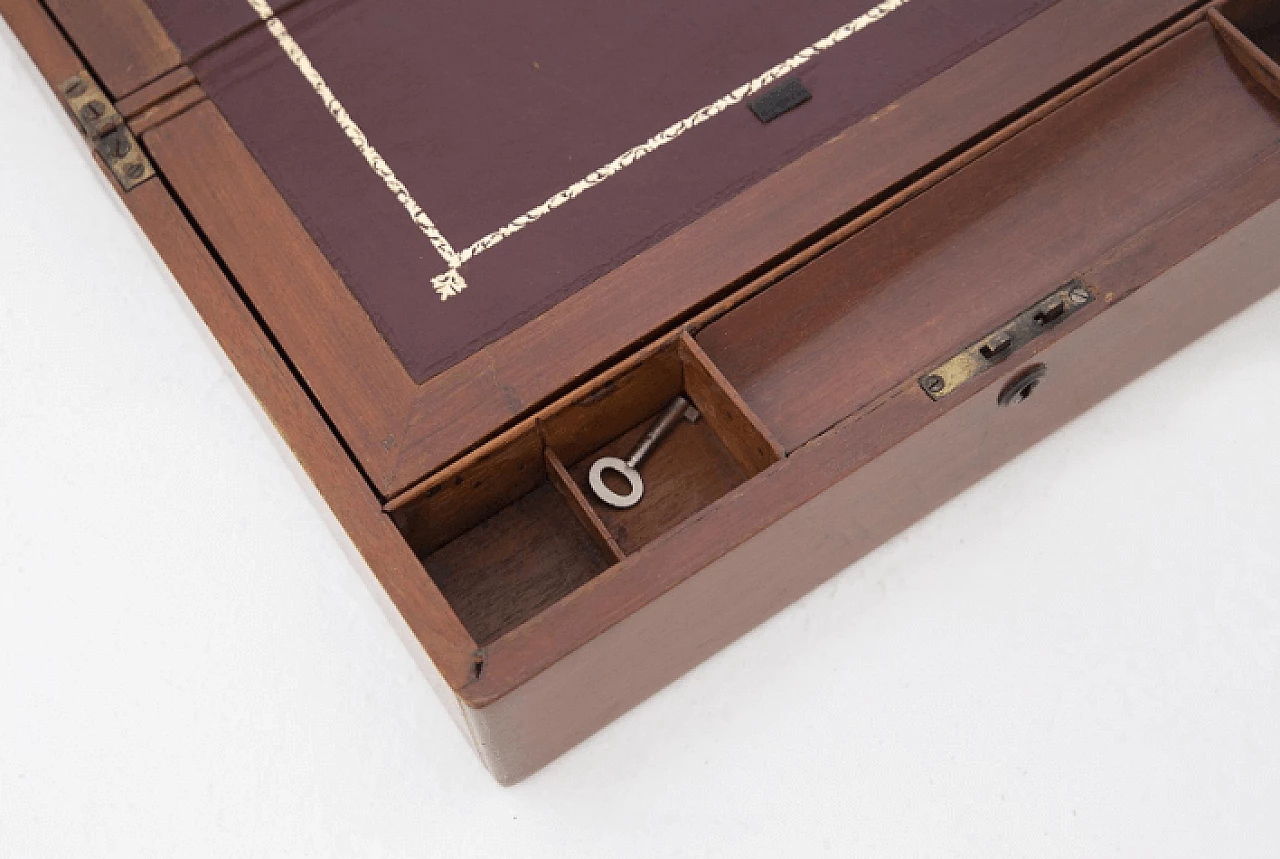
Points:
[[679, 408]]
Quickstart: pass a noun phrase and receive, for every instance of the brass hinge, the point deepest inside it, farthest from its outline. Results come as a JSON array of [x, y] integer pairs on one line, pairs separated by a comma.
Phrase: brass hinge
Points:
[[1007, 339], [106, 131]]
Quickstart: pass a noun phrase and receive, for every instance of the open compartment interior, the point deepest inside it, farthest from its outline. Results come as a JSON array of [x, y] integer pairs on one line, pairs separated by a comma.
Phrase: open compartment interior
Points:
[[1258, 21], [1251, 31], [500, 538], [696, 463], [945, 268], [515, 527]]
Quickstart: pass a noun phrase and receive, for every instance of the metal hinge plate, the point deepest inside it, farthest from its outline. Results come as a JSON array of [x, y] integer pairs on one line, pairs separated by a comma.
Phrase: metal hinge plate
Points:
[[106, 131], [1007, 339]]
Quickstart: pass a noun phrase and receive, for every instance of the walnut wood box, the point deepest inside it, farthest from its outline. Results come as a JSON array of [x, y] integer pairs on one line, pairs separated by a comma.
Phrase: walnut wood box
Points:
[[977, 205]]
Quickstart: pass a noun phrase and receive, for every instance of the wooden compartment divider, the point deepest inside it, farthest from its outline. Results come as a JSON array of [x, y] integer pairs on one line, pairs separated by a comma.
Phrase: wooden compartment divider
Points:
[[1258, 21], [564, 482], [514, 527], [749, 440], [501, 537], [697, 464], [1258, 17]]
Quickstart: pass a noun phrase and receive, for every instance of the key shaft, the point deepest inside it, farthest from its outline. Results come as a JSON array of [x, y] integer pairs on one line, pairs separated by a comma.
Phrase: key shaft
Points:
[[663, 425]]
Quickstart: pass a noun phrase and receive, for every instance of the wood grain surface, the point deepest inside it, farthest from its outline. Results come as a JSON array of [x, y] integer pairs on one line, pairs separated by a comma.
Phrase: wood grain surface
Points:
[[120, 39], [890, 489], [582, 614], [677, 556], [913, 288]]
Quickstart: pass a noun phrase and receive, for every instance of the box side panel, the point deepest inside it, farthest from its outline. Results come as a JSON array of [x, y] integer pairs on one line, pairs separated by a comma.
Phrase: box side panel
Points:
[[294, 415], [260, 364], [519, 733]]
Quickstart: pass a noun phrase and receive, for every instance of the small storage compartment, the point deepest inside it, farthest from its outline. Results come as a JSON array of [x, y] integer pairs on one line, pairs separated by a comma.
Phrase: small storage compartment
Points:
[[696, 463], [501, 540], [689, 470], [1122, 170], [1258, 21], [516, 526], [516, 562]]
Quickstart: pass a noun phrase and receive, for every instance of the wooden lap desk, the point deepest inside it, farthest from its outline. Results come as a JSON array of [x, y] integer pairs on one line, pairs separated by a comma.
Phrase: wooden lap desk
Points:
[[461, 251]]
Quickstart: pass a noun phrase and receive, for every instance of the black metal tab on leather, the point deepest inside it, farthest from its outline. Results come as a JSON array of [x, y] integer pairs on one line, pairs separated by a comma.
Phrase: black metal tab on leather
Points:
[[777, 101]]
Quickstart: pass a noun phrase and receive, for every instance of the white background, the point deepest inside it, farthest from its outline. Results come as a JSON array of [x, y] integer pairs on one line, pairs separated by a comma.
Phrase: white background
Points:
[[1079, 657]]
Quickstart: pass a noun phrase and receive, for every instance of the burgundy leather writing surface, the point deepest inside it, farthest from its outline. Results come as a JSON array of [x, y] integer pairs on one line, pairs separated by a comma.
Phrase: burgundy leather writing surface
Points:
[[484, 110]]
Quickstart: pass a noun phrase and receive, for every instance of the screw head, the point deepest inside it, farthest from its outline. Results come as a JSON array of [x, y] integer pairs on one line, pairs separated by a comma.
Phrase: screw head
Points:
[[120, 146], [93, 111], [1078, 294], [74, 88], [134, 171], [933, 383]]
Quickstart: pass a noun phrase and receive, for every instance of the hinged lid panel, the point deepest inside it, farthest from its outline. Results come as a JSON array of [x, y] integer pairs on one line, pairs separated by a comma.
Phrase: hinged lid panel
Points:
[[465, 167], [504, 201]]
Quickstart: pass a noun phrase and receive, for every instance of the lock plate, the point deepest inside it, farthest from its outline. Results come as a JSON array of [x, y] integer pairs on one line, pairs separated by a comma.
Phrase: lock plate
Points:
[[997, 346], [106, 131]]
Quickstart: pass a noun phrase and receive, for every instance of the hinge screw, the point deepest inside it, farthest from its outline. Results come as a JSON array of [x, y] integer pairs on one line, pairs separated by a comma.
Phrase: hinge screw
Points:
[[1078, 295], [119, 147], [934, 384], [135, 171], [75, 88], [93, 111]]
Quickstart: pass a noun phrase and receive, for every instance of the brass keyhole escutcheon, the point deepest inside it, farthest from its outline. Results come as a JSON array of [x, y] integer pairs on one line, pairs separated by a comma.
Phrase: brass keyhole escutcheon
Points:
[[1023, 385]]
